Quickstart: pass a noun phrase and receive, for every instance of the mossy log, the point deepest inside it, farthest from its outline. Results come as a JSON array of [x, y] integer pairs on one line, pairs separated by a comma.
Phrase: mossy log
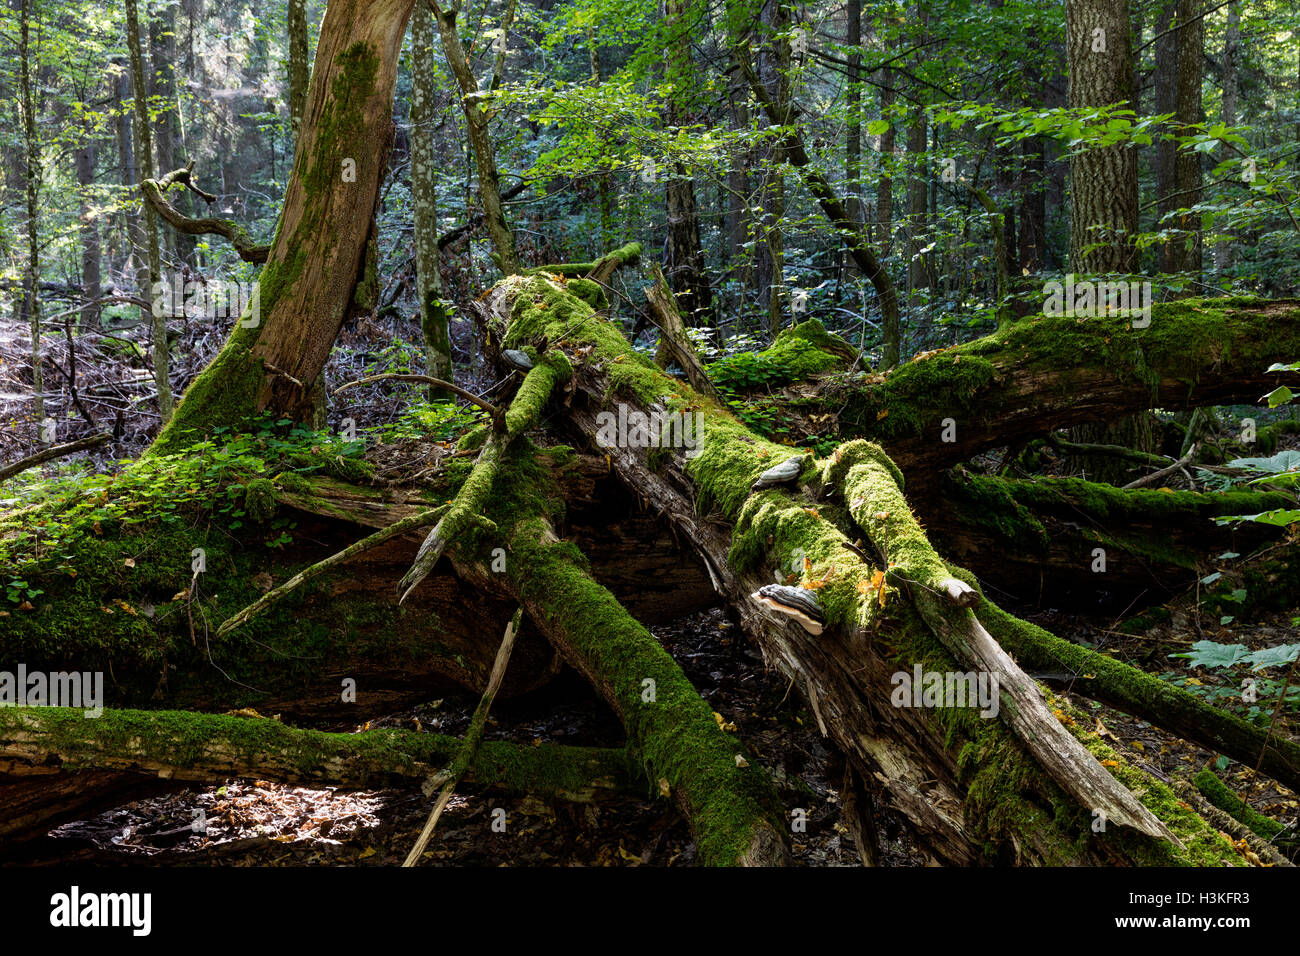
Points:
[[210, 748], [1042, 373], [970, 789], [725, 795], [1036, 542]]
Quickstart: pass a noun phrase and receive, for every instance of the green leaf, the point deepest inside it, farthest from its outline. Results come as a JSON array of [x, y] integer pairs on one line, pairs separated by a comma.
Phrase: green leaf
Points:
[[1279, 396]]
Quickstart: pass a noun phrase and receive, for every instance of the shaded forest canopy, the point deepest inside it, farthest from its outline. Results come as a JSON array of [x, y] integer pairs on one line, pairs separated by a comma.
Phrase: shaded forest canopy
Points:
[[811, 433]]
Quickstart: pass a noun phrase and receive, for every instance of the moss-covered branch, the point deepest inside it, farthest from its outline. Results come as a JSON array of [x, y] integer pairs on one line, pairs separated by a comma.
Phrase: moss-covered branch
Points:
[[599, 270], [207, 747], [467, 511], [872, 485], [1128, 689], [155, 195], [1042, 373]]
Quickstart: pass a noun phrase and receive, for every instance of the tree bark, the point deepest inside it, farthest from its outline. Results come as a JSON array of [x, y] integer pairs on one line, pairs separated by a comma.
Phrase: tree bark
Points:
[[1223, 251], [424, 193], [476, 123], [299, 65], [277, 350], [1178, 58], [144, 157], [31, 291], [1103, 181], [91, 255]]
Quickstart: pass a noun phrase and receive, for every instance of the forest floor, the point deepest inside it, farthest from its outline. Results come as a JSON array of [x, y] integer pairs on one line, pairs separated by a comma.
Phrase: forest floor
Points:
[[258, 823]]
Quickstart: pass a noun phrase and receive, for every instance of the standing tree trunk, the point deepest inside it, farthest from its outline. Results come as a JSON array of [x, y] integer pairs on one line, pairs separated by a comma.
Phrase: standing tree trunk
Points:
[[424, 191], [31, 294], [1104, 190], [280, 345], [683, 255], [476, 123], [1231, 66], [91, 279], [917, 203], [885, 185], [124, 129], [1178, 170], [167, 131], [299, 67], [144, 154], [853, 125], [1103, 182]]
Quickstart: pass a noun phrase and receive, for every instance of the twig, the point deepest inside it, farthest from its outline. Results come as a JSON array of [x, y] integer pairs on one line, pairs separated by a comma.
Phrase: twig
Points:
[[54, 451], [469, 748], [1169, 470], [427, 380], [302, 577]]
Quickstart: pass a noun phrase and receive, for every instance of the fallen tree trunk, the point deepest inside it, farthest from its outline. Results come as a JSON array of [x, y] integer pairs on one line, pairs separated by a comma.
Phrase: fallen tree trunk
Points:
[[1040, 374], [1049, 533], [967, 786], [208, 748]]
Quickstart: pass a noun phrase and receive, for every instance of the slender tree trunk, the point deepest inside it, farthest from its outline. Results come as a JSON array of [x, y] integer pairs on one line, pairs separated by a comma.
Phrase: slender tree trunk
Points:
[[424, 191], [162, 50], [1178, 171], [124, 133], [299, 66], [1231, 67], [853, 124], [773, 71], [1103, 182], [917, 203], [144, 153], [91, 281], [683, 254], [31, 295], [476, 122], [885, 186], [740, 261]]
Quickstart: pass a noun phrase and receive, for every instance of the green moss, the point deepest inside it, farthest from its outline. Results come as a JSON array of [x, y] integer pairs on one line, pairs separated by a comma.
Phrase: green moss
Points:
[[473, 439], [624, 256], [1183, 340], [797, 354], [1202, 844], [1213, 789], [260, 499], [182, 740], [1134, 520], [589, 292]]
